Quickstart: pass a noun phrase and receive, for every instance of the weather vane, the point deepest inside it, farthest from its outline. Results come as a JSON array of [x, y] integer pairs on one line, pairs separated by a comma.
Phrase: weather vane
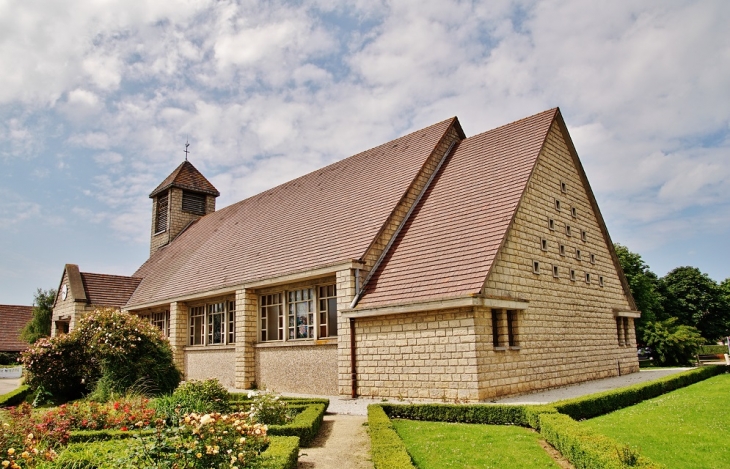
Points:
[[186, 148]]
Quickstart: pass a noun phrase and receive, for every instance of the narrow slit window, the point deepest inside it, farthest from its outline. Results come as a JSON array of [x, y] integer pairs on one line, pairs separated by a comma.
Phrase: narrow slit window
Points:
[[572, 275], [544, 244], [495, 328], [600, 280], [593, 258], [562, 249], [535, 267], [555, 271], [578, 254], [551, 224], [557, 205], [574, 212], [584, 235], [512, 331], [588, 277], [563, 187], [567, 230]]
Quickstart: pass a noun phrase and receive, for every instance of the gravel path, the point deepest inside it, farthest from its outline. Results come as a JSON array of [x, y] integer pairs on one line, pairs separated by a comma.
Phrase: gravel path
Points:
[[342, 443]]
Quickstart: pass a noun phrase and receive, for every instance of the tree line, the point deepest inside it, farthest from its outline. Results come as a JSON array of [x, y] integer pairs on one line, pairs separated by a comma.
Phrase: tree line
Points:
[[679, 312]]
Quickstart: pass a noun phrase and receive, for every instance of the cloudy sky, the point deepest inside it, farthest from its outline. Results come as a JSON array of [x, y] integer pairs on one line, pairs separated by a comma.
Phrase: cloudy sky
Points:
[[97, 99]]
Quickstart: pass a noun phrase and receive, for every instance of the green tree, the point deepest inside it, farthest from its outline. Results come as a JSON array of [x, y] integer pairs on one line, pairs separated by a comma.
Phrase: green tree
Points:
[[40, 323], [696, 300], [672, 343], [644, 288]]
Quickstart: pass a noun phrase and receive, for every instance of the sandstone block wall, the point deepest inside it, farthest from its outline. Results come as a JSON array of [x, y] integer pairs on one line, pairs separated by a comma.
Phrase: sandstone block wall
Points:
[[419, 355], [568, 332]]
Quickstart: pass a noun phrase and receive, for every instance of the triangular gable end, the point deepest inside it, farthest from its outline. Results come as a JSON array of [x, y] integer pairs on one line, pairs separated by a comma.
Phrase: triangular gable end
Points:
[[558, 232], [72, 284]]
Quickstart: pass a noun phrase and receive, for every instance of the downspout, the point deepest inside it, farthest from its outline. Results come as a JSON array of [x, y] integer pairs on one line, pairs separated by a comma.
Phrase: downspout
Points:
[[353, 370], [400, 227]]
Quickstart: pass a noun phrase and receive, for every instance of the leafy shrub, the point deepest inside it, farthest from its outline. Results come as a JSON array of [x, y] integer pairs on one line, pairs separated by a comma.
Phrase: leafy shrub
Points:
[[671, 343], [267, 407], [193, 396], [26, 443], [108, 350], [203, 441], [9, 358]]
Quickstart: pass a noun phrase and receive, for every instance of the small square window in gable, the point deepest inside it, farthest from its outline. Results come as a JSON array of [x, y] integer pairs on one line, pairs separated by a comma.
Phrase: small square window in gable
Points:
[[544, 244], [557, 205], [551, 224], [562, 249], [567, 230], [535, 267]]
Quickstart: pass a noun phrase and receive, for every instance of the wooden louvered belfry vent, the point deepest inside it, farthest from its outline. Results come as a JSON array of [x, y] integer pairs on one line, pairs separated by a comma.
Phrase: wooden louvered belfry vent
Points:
[[193, 202], [161, 215]]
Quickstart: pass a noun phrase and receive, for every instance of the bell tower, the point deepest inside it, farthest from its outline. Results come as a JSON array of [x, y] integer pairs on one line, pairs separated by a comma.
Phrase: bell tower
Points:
[[182, 198]]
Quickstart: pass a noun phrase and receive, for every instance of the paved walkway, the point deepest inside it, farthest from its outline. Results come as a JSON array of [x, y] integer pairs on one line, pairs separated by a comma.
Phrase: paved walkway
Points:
[[9, 384], [342, 443]]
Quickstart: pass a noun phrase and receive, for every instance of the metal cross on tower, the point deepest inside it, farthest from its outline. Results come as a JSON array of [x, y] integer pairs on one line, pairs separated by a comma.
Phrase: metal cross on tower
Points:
[[186, 149]]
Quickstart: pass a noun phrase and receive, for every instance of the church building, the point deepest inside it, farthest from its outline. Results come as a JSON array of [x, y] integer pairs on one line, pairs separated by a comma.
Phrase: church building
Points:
[[434, 266]]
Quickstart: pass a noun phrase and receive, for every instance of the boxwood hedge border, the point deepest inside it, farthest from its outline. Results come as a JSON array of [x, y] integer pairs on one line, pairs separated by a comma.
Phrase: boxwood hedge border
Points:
[[15, 397], [556, 422]]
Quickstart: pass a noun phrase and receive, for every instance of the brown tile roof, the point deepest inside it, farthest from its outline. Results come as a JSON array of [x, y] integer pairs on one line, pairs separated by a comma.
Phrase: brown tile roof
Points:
[[12, 320], [187, 177], [325, 217], [108, 290], [448, 245]]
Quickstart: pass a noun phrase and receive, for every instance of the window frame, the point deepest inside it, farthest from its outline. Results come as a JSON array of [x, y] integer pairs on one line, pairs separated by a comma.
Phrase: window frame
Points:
[[202, 325], [319, 308]]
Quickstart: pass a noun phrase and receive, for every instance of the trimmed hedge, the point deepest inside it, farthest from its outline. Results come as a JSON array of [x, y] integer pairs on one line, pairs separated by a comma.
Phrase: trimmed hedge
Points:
[[712, 350], [305, 425], [282, 453], [15, 397], [477, 413], [586, 449], [604, 402], [386, 447], [89, 436]]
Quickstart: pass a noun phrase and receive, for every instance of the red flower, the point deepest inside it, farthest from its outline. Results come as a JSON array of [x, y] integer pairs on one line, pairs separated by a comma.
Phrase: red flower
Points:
[[124, 429]]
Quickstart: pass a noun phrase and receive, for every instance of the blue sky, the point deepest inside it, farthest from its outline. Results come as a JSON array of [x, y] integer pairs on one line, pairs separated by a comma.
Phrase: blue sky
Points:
[[97, 100]]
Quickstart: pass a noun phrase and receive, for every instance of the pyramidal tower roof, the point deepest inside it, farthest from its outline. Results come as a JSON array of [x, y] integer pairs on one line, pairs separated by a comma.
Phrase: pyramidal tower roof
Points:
[[186, 177]]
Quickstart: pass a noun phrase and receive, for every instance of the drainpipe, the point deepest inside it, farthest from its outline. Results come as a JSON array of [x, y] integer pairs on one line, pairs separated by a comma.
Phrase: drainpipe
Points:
[[353, 370]]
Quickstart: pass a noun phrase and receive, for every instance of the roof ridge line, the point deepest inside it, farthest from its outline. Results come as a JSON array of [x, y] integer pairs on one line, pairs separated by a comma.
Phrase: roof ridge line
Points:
[[391, 242]]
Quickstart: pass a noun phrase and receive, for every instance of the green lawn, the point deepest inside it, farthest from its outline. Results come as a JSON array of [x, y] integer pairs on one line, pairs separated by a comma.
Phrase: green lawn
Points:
[[436, 445], [687, 428]]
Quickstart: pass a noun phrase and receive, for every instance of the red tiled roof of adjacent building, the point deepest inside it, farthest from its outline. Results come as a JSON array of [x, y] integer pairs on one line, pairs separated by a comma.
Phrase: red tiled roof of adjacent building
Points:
[[450, 242], [326, 217], [12, 320], [108, 290], [186, 177]]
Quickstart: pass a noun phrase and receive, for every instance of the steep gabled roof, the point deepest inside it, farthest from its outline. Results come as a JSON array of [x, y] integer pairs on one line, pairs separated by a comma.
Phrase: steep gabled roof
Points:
[[13, 319], [108, 290], [326, 217], [450, 242], [186, 177]]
